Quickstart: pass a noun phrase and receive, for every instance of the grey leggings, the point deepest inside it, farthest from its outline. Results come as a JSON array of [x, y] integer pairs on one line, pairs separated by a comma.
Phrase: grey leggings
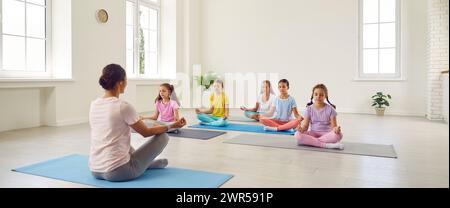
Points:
[[140, 160]]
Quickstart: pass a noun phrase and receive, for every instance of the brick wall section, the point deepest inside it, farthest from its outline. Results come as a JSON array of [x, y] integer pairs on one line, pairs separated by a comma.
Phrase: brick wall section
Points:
[[437, 55]]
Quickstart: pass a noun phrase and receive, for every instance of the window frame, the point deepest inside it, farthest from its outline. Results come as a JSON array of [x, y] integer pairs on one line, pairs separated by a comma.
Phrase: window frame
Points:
[[136, 27], [8, 74], [399, 74]]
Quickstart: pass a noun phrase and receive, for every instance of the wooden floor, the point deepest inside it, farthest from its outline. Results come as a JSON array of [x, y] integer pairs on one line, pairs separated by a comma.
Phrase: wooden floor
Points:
[[422, 147]]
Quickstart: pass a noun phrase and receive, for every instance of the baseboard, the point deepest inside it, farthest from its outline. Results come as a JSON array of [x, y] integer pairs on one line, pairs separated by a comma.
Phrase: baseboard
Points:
[[21, 127], [372, 112], [69, 122]]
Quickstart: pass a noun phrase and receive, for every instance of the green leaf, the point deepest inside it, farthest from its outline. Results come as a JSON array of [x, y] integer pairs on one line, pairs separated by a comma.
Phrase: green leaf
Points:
[[380, 99]]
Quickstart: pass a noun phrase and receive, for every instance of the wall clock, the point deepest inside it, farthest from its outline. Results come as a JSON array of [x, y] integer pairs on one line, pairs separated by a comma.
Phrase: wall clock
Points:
[[102, 16]]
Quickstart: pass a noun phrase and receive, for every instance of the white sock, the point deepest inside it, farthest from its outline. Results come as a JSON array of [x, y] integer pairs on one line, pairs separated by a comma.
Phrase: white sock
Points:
[[334, 146], [268, 128], [158, 164]]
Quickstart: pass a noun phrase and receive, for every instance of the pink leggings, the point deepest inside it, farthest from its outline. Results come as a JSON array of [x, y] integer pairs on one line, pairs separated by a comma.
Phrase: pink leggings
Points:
[[281, 126], [317, 139]]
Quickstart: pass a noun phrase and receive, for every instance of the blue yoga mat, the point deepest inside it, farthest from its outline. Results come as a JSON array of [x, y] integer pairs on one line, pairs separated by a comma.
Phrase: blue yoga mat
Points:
[[74, 168], [244, 128]]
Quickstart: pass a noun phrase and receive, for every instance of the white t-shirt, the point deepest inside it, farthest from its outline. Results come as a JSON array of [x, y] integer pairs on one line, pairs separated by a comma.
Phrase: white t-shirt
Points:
[[110, 120], [264, 107]]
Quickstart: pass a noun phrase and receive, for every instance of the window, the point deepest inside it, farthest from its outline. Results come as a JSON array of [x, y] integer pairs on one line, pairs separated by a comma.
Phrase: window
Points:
[[380, 39], [143, 38], [24, 38]]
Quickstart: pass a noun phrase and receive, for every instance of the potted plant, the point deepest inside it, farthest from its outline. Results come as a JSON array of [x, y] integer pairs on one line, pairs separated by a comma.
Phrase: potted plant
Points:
[[206, 80], [379, 101]]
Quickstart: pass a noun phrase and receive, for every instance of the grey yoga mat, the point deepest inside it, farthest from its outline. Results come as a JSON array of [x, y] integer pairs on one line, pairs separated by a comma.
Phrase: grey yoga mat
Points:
[[289, 142], [196, 134]]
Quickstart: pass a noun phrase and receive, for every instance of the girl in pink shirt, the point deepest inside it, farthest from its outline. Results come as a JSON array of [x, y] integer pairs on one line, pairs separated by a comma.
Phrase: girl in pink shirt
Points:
[[167, 106], [324, 131]]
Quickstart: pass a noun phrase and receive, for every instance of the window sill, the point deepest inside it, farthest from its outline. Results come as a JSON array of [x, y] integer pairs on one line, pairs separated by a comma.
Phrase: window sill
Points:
[[379, 79], [148, 81], [31, 82], [28, 80]]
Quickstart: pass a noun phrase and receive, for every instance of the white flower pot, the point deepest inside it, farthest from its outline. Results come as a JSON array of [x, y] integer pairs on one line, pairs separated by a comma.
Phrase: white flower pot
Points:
[[380, 111]]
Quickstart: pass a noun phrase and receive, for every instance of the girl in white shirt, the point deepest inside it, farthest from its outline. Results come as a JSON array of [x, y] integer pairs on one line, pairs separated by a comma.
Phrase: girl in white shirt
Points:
[[263, 104]]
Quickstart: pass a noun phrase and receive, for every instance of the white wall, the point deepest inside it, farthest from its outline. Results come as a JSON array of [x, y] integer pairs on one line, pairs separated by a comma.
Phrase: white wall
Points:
[[94, 45], [29, 113], [91, 46], [145, 100], [61, 39], [311, 42], [306, 41]]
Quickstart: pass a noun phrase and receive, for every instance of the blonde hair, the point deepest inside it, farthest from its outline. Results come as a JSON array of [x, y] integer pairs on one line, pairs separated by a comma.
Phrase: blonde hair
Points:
[[270, 86], [218, 81]]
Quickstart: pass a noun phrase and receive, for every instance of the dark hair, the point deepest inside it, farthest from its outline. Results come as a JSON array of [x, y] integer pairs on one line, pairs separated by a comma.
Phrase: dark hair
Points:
[[111, 75], [284, 81], [324, 88], [168, 87]]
